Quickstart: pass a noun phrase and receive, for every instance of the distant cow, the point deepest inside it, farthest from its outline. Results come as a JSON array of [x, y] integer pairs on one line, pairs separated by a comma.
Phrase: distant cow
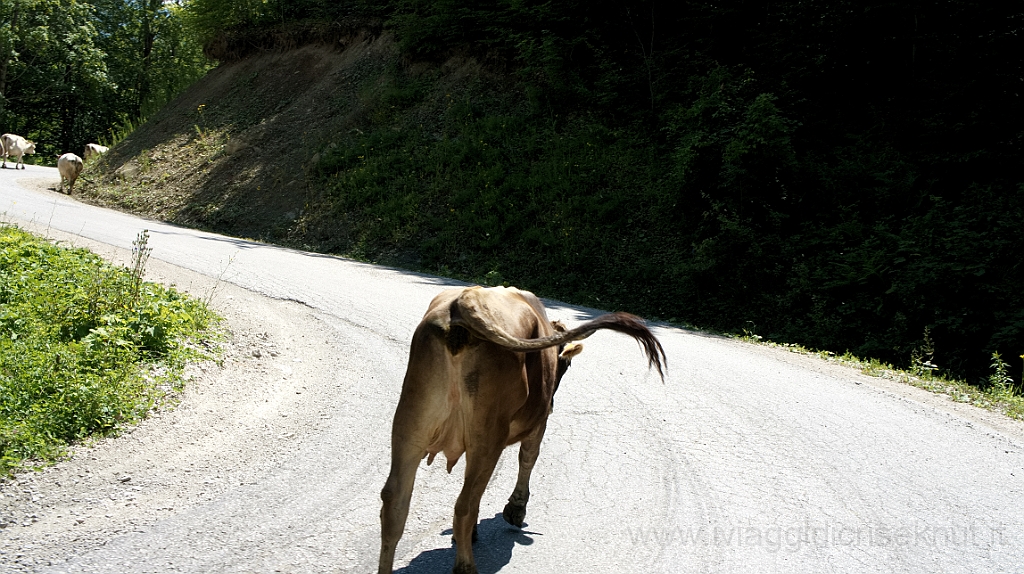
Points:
[[17, 147], [483, 369], [94, 149], [70, 166]]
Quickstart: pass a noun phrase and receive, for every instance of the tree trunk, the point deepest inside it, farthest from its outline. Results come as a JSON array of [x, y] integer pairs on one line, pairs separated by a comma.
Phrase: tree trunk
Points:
[[5, 58], [69, 113], [148, 38], [647, 53]]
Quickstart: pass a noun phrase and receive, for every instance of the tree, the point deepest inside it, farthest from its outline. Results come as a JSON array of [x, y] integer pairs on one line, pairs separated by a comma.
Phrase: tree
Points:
[[53, 69], [152, 54], [71, 70], [9, 13]]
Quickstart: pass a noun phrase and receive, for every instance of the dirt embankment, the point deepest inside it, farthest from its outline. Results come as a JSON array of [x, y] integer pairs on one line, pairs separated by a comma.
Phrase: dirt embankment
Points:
[[233, 153]]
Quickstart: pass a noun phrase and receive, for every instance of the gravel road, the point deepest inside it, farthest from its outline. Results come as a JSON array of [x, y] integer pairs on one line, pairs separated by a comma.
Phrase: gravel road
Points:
[[747, 458]]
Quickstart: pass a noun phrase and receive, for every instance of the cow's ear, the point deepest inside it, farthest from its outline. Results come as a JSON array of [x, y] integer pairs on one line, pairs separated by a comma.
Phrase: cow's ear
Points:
[[570, 351], [558, 326]]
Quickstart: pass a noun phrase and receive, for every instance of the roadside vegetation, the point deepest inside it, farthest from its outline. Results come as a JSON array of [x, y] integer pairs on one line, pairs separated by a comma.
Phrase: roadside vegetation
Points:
[[998, 392], [85, 347]]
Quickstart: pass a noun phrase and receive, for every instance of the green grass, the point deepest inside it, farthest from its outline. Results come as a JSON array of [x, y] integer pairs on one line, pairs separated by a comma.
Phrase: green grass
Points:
[[1001, 395], [85, 347], [476, 184]]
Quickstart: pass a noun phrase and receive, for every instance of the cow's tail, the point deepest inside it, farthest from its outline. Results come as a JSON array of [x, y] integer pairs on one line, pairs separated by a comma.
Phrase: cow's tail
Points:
[[625, 323]]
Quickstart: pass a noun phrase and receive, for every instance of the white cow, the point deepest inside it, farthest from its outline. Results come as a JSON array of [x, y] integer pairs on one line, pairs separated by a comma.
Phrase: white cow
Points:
[[16, 146], [70, 166], [94, 149]]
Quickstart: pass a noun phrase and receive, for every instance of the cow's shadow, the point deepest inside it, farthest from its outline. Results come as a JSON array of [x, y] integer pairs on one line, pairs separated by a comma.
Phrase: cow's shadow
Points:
[[493, 549]]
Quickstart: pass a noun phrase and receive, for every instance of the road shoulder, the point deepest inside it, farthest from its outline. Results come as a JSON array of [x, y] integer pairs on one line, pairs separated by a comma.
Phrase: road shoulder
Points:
[[270, 390]]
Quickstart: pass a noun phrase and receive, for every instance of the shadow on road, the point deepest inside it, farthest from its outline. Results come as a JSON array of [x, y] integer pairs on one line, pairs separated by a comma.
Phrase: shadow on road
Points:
[[171, 229], [493, 549]]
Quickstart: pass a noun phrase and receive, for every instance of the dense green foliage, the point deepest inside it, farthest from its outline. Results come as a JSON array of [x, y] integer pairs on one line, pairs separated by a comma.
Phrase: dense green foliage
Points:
[[211, 18], [72, 72], [84, 347], [842, 175]]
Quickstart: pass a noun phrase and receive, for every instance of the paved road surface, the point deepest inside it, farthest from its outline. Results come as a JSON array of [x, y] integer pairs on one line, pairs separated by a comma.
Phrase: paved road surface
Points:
[[746, 459]]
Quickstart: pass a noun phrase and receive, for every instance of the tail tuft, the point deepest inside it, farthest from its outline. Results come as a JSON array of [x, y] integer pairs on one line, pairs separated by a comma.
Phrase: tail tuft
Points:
[[628, 324]]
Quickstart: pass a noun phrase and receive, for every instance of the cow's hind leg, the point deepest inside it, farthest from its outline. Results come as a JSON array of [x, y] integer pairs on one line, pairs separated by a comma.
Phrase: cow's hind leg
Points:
[[480, 463], [396, 495], [529, 449]]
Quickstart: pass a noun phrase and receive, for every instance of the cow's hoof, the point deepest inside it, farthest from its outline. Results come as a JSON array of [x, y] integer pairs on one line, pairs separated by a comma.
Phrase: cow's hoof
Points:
[[464, 569], [514, 514]]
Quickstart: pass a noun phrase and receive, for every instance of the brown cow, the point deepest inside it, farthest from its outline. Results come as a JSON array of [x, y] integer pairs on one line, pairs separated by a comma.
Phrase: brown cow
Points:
[[483, 369]]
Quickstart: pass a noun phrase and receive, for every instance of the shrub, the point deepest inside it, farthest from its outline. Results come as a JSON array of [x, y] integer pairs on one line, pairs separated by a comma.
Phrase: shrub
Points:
[[84, 347]]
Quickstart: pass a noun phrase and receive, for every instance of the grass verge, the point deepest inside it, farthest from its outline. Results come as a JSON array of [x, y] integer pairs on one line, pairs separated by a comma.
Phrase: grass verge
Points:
[[999, 395], [85, 347]]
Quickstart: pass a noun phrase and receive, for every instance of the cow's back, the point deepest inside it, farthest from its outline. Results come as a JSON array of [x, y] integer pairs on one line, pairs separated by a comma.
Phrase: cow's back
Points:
[[459, 380], [16, 146], [70, 166], [92, 149]]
